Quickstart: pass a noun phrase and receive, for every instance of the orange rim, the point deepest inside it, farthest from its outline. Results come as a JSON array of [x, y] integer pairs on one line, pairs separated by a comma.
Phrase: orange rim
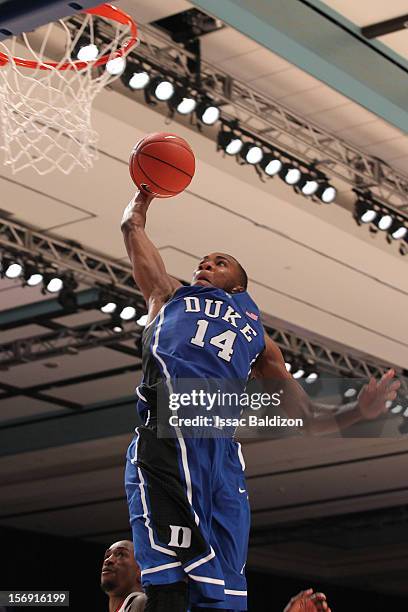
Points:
[[104, 10]]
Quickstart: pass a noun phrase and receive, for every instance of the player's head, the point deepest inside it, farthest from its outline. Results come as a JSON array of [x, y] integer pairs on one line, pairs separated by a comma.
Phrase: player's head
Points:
[[222, 271], [120, 573]]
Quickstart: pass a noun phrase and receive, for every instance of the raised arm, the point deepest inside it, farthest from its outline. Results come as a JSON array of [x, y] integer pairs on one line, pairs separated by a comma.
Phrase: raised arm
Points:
[[371, 403], [149, 271]]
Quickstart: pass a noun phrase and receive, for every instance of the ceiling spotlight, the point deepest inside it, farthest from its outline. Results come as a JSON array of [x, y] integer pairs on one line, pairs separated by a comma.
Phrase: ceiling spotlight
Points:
[[35, 279], [87, 52], [251, 153], [326, 192], [208, 113], [32, 276], [398, 230], [116, 324], [186, 106], [230, 143], [396, 409], [271, 165], [108, 307], [116, 65], [10, 268], [311, 378], [384, 222], [161, 88], [183, 102], [142, 320], [308, 185], [288, 366], [134, 76], [350, 392], [127, 313], [290, 174], [52, 282], [298, 372], [365, 211]]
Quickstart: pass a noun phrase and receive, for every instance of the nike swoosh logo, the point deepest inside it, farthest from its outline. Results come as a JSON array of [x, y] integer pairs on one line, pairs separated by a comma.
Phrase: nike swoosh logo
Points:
[[241, 490]]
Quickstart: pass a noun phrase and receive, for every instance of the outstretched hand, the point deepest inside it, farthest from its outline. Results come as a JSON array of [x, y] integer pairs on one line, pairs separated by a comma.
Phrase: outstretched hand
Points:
[[373, 397], [307, 601]]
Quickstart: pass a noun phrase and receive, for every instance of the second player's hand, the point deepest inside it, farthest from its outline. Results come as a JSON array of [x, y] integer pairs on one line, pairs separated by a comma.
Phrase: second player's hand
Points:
[[307, 601], [373, 397]]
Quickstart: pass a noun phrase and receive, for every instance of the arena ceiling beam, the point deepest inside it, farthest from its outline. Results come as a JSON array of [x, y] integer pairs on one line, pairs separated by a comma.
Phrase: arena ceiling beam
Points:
[[65, 341], [42, 311], [97, 421], [318, 40]]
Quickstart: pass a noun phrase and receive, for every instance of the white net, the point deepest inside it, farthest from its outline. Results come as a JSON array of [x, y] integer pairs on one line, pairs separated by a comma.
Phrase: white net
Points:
[[45, 111]]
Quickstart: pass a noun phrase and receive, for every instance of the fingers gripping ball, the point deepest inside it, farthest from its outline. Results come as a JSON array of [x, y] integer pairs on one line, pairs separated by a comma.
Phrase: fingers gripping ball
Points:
[[163, 164]]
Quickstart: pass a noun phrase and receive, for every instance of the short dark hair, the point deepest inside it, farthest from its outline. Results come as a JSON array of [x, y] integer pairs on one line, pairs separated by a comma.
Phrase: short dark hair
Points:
[[243, 276]]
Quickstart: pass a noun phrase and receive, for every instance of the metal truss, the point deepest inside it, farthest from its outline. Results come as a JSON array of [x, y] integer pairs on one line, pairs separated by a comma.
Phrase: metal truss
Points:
[[342, 363], [67, 256], [277, 125], [92, 268], [67, 341]]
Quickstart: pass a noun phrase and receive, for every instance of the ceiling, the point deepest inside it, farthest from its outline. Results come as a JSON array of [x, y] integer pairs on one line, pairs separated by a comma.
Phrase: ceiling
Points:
[[65, 421], [378, 11]]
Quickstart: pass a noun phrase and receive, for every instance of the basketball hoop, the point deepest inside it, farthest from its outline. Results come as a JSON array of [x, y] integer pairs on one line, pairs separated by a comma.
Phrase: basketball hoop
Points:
[[45, 105]]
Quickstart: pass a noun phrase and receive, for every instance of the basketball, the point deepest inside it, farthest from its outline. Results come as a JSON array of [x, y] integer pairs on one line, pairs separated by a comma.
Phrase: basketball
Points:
[[163, 164]]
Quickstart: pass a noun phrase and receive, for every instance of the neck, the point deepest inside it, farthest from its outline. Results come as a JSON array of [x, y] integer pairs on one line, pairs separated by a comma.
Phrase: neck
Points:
[[115, 601]]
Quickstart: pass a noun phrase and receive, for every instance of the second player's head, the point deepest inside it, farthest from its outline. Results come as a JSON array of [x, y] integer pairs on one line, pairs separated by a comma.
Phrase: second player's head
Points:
[[222, 271], [120, 572]]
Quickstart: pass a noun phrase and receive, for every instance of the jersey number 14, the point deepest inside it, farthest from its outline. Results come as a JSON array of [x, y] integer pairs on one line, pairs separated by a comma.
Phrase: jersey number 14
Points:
[[224, 341]]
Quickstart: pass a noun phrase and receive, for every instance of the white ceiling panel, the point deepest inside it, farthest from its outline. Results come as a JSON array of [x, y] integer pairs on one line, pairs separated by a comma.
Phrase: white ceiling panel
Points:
[[82, 318], [286, 83], [373, 132], [388, 149], [14, 295], [144, 11], [34, 207], [250, 66], [18, 407], [100, 390], [226, 44], [91, 360], [364, 13], [315, 100], [401, 163], [25, 331], [397, 41], [343, 117]]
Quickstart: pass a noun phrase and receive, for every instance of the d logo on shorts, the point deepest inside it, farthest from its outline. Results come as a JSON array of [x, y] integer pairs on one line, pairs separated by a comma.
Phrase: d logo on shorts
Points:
[[175, 536]]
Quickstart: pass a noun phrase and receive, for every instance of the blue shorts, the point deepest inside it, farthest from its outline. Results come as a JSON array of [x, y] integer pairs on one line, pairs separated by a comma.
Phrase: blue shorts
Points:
[[190, 516]]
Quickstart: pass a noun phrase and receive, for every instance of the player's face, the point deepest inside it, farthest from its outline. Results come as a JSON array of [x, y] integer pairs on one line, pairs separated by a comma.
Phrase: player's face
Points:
[[119, 570], [217, 270]]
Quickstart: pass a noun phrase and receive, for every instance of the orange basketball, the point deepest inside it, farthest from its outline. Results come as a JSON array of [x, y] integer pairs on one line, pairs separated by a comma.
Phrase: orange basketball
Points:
[[162, 163]]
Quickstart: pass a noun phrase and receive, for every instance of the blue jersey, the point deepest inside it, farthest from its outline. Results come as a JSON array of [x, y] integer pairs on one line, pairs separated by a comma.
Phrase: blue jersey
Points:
[[201, 332]]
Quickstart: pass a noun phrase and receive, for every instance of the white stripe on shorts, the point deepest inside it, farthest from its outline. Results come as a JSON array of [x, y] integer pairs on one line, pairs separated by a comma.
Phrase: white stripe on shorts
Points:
[[160, 568]]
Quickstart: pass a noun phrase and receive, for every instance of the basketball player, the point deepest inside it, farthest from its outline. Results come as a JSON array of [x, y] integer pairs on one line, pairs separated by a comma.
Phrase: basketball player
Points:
[[187, 497], [120, 578]]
